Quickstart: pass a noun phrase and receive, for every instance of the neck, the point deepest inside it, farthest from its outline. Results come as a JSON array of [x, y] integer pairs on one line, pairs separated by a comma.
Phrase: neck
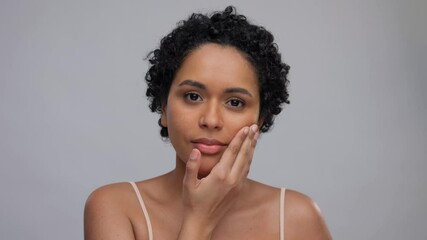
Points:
[[174, 179]]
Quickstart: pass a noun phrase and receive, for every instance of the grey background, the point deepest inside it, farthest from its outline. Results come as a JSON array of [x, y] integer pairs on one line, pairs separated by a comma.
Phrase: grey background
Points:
[[73, 114]]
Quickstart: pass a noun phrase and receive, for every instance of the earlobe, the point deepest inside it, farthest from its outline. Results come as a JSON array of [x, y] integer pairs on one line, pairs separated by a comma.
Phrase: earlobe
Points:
[[163, 120], [260, 123]]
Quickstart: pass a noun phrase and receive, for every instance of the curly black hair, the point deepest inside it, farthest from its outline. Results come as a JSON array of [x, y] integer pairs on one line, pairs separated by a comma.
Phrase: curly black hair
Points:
[[226, 28]]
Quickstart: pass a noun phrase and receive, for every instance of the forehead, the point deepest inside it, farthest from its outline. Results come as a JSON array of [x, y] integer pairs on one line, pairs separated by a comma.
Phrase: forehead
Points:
[[213, 63]]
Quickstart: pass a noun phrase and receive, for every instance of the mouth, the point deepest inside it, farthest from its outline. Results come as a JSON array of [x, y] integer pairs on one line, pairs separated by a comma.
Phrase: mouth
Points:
[[209, 146]]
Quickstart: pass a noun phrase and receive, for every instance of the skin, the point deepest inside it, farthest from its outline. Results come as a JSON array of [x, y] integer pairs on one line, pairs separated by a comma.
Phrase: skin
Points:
[[214, 95]]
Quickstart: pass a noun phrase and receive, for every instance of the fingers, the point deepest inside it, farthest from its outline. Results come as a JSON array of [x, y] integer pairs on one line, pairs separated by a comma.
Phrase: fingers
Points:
[[192, 169], [244, 157], [238, 155], [230, 154]]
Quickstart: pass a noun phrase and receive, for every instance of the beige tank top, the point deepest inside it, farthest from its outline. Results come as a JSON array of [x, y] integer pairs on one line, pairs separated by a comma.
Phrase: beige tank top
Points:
[[150, 228]]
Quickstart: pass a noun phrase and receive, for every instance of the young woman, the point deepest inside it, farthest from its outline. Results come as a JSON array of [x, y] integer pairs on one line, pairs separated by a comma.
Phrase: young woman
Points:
[[217, 82]]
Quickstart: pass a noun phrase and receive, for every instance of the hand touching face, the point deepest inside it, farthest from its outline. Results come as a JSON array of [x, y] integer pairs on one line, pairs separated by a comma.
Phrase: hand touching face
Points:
[[206, 201], [214, 94]]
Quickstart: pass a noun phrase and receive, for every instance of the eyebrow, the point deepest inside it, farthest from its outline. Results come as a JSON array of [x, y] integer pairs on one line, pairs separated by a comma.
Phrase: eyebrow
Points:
[[192, 83], [203, 87], [238, 90]]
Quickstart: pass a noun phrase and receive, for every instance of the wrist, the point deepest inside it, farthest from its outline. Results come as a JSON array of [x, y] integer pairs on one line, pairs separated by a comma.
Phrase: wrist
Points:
[[195, 229]]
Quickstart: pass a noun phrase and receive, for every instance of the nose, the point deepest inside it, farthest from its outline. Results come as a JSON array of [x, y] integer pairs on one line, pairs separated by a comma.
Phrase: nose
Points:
[[211, 117]]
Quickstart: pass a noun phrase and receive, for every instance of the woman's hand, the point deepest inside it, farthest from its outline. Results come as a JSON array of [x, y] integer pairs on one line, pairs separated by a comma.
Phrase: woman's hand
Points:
[[206, 201]]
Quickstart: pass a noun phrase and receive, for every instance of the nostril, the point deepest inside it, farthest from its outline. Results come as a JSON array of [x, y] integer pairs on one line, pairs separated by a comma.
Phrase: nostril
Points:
[[211, 119]]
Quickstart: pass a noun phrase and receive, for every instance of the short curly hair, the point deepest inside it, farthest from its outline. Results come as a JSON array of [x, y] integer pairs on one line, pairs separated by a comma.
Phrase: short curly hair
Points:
[[226, 28]]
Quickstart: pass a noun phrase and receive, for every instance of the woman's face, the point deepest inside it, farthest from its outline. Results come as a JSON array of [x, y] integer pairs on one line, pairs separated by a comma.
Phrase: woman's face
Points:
[[214, 94]]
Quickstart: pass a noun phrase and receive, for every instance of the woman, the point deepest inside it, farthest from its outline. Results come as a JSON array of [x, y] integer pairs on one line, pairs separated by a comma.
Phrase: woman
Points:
[[217, 82]]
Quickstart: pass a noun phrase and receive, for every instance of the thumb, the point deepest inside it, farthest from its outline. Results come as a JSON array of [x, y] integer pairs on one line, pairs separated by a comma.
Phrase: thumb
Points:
[[192, 169]]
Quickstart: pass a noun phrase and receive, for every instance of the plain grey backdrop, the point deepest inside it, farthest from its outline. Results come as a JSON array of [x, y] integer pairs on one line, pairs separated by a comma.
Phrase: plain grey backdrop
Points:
[[73, 112]]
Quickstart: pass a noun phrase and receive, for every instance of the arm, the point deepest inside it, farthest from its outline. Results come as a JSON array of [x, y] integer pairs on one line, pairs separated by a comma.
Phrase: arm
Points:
[[104, 217], [303, 218]]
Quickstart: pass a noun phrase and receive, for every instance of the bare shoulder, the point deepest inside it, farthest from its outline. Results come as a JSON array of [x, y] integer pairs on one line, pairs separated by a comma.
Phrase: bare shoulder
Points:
[[106, 214], [303, 219]]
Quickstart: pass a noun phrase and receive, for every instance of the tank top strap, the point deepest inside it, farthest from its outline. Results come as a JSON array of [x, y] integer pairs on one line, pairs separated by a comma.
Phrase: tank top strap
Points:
[[144, 210], [282, 213]]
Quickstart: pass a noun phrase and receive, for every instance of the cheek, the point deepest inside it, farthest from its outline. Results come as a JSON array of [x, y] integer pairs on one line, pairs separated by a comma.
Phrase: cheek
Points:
[[235, 123], [249, 118], [179, 126], [179, 119]]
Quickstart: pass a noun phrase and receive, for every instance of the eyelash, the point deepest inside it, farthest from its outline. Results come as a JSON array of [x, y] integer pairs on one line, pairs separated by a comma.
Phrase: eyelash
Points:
[[189, 95], [239, 102]]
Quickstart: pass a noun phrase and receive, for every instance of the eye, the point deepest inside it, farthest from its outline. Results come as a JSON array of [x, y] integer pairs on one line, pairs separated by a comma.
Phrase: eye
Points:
[[193, 97], [236, 103]]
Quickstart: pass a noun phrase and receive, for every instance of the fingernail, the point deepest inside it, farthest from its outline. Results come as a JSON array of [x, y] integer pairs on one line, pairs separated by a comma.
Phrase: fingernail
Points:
[[246, 130], [254, 128], [256, 136], [193, 155]]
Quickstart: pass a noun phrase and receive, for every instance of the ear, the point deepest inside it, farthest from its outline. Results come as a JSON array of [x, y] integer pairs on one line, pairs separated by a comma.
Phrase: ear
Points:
[[163, 118], [260, 123]]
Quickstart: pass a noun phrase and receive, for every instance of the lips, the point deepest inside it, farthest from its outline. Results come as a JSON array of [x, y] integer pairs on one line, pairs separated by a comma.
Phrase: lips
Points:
[[209, 146]]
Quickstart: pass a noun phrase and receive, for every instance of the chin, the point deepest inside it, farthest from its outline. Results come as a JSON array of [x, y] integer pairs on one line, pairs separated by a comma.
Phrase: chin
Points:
[[206, 167], [201, 174]]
